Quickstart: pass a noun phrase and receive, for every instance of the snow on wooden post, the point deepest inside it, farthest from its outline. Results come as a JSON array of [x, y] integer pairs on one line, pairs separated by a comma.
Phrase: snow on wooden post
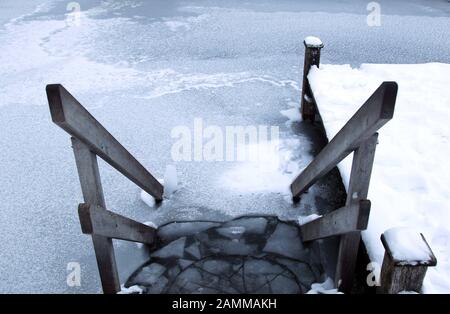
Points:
[[406, 260], [312, 57]]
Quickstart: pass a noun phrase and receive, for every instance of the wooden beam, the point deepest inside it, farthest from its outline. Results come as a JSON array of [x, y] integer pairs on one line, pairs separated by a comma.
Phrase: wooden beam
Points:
[[71, 116], [375, 112], [403, 275], [357, 190], [312, 57], [95, 220], [93, 193], [344, 220]]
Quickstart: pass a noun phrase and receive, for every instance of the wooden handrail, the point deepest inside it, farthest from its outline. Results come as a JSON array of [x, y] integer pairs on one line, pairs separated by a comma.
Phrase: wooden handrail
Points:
[[71, 116], [99, 221], [371, 116], [341, 221], [89, 140]]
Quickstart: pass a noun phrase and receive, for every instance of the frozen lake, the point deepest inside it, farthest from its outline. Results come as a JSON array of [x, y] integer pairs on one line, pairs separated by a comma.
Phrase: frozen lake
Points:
[[143, 68]]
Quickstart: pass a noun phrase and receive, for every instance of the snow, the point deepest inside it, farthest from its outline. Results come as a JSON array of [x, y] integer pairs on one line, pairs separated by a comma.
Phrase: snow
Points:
[[409, 185], [148, 199], [313, 42], [272, 173], [407, 245], [326, 287], [170, 181], [305, 219]]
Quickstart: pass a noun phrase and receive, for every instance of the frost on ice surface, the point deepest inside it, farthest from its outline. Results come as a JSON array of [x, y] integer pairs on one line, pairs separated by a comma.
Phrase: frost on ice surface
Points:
[[312, 41], [326, 287], [407, 245], [273, 171]]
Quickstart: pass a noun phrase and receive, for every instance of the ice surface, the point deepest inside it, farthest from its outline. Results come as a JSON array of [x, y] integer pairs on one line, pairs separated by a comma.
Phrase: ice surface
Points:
[[184, 263], [173, 249], [173, 231], [255, 225], [285, 241], [234, 232], [407, 245], [225, 264], [149, 275], [227, 247], [142, 68], [194, 250], [409, 184]]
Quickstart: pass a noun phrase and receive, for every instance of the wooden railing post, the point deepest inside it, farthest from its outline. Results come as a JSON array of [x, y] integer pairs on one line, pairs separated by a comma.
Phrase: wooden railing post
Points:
[[408, 272], [358, 189], [92, 190], [376, 112], [313, 46]]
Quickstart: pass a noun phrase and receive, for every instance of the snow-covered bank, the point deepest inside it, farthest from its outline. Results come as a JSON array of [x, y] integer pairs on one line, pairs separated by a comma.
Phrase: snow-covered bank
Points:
[[410, 180]]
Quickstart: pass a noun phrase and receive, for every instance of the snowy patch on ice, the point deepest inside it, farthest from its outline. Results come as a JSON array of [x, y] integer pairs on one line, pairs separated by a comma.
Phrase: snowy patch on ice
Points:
[[185, 23], [130, 290], [407, 292], [274, 172], [326, 287], [409, 185], [292, 114]]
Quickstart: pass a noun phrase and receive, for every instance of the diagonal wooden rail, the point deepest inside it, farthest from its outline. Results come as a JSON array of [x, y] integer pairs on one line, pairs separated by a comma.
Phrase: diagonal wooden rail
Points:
[[71, 116], [359, 136], [375, 113], [89, 140]]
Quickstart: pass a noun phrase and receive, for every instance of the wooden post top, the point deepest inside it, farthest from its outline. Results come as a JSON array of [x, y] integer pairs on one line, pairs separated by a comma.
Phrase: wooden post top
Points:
[[407, 247], [313, 42]]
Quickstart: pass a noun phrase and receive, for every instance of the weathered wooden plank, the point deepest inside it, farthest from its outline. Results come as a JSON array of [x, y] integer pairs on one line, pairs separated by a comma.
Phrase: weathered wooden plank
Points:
[[71, 116], [96, 220], [106, 263], [375, 112], [357, 190], [344, 220], [398, 275], [92, 193], [88, 173]]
